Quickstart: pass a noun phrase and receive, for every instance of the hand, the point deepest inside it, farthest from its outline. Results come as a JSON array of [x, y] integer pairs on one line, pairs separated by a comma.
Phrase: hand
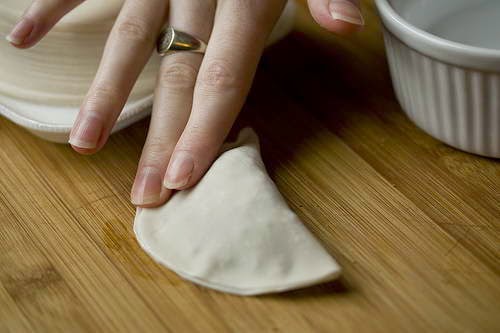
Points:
[[197, 98]]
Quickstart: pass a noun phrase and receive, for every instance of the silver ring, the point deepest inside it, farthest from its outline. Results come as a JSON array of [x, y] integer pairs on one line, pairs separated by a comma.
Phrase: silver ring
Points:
[[172, 40]]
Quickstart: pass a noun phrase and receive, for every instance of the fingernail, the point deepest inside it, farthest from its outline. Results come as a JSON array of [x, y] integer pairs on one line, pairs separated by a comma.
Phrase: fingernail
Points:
[[346, 11], [179, 170], [147, 187], [87, 133], [20, 31]]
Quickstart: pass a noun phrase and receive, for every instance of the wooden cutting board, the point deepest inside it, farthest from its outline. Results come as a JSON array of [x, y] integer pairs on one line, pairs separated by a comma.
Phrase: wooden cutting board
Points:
[[414, 223]]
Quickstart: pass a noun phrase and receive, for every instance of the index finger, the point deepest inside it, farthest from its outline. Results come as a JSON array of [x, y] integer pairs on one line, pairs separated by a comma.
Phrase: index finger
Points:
[[127, 50]]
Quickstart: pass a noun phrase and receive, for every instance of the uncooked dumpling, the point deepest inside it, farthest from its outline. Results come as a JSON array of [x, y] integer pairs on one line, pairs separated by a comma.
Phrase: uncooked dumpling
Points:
[[233, 231]]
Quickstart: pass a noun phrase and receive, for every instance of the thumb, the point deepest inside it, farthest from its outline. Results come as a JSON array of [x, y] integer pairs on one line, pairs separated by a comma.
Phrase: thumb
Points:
[[339, 16]]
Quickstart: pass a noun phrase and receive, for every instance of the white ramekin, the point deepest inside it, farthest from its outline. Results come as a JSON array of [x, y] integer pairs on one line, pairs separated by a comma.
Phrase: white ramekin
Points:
[[450, 90]]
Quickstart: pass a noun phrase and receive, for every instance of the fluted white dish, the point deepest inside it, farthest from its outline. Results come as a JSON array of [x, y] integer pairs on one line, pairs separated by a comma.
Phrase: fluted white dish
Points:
[[40, 107], [444, 60]]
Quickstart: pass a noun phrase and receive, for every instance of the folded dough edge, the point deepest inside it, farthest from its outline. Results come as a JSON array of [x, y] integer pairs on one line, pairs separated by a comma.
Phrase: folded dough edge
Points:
[[314, 257]]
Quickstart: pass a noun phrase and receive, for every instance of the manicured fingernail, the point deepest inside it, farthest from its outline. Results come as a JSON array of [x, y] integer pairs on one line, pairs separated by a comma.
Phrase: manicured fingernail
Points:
[[20, 31], [147, 187], [346, 11], [87, 133], [179, 170]]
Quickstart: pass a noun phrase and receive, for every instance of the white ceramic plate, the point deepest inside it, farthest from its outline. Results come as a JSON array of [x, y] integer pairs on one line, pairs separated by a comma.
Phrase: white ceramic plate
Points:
[[54, 123]]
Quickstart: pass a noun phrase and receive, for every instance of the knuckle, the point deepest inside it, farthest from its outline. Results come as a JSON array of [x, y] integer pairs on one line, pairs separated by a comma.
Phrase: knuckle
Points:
[[204, 6], [101, 95], [178, 76], [217, 76], [250, 6], [199, 142], [258, 13], [156, 151], [259, 9], [134, 29]]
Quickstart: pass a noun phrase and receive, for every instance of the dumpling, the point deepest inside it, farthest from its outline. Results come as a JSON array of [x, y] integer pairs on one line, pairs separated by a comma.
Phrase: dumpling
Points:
[[233, 231]]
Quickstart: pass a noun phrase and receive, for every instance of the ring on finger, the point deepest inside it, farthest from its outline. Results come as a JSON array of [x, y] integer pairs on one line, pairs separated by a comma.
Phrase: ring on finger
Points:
[[171, 41]]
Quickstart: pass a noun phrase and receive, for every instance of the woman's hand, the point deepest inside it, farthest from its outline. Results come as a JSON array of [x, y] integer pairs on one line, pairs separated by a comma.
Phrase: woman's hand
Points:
[[197, 97]]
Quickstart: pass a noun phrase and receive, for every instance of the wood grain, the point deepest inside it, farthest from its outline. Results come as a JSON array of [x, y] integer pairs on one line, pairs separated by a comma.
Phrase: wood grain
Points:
[[414, 223]]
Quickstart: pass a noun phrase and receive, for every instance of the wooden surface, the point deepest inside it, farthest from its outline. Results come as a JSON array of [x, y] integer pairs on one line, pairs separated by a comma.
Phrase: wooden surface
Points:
[[415, 224]]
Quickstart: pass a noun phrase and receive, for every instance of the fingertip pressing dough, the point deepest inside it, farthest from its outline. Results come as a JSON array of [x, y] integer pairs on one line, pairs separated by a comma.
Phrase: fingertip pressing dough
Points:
[[233, 231]]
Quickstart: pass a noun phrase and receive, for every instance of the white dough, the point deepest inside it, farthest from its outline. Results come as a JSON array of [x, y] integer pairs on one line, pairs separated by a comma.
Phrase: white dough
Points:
[[233, 231]]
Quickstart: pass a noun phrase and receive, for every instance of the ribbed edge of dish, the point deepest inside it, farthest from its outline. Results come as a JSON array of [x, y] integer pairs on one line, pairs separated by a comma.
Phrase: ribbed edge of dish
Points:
[[458, 106], [451, 52], [59, 132]]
